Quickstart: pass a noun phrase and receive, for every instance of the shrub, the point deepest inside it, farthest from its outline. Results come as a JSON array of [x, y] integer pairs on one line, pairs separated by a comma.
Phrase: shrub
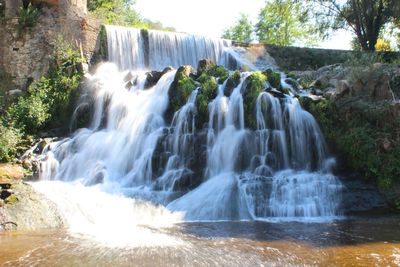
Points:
[[48, 100], [10, 137], [28, 18]]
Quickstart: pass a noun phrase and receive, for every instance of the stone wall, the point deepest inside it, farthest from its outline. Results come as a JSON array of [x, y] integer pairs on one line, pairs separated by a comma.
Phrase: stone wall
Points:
[[290, 58], [27, 56]]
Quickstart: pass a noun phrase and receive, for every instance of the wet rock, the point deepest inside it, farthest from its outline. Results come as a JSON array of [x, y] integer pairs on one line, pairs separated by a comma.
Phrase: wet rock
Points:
[[360, 197], [294, 84], [154, 76], [25, 209], [204, 65], [232, 83]]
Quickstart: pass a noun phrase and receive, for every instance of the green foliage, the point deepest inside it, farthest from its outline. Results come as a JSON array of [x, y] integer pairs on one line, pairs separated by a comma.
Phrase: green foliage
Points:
[[47, 101], [28, 18], [122, 12], [274, 78], [241, 31], [365, 18], [209, 78], [208, 91], [366, 138], [254, 85], [10, 137], [219, 72], [283, 22], [181, 89], [6, 84]]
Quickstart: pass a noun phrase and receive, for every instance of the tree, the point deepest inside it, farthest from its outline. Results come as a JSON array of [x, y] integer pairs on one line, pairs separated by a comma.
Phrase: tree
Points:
[[241, 31], [365, 18], [283, 22]]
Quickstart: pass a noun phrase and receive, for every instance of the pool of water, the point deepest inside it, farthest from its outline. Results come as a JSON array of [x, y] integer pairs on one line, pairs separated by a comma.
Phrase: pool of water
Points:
[[360, 241]]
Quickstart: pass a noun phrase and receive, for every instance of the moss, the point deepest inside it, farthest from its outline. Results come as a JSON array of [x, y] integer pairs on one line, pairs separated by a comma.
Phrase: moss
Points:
[[180, 90], [208, 91], [233, 82], [204, 66], [220, 73], [11, 200], [254, 85], [274, 78]]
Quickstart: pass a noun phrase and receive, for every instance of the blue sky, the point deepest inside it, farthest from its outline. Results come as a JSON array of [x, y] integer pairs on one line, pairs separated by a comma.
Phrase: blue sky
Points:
[[211, 17]]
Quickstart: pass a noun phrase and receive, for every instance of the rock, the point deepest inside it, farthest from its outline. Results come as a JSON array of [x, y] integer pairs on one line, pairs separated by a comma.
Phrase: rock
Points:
[[26, 209], [386, 145], [27, 164], [320, 83], [342, 88], [382, 90], [359, 197], [204, 65], [294, 84], [154, 76], [15, 93]]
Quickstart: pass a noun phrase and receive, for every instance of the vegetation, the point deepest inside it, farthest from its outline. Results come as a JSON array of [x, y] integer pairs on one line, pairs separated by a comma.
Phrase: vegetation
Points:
[[283, 22], [122, 12], [10, 138], [241, 31], [363, 140], [365, 18], [254, 85], [47, 103], [28, 18]]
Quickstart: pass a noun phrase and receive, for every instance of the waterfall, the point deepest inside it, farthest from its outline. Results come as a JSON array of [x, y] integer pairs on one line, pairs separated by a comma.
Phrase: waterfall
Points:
[[222, 171], [131, 48]]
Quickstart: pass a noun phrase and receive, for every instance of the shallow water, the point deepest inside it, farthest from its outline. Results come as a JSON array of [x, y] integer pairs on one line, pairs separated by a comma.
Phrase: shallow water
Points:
[[352, 242]]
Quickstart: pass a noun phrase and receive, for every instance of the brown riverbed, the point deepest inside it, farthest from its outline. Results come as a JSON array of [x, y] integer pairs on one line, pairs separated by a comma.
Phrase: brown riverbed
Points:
[[353, 242]]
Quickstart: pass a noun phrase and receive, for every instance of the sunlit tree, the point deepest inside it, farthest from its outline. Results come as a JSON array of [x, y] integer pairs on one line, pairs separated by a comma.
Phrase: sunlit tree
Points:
[[365, 18], [241, 31], [283, 22]]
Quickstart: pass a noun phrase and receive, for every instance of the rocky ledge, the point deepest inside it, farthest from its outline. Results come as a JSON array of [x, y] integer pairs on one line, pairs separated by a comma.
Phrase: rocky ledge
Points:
[[21, 207]]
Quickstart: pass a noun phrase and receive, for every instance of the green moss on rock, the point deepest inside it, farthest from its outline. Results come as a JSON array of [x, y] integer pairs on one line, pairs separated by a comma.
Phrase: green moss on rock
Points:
[[180, 90], [254, 85], [208, 91], [274, 78], [364, 136], [232, 83]]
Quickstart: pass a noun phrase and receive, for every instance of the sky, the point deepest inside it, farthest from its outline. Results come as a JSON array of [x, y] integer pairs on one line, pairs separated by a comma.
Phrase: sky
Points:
[[212, 17]]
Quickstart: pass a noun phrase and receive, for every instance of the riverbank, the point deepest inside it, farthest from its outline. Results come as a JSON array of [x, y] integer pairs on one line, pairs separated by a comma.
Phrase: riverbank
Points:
[[21, 207]]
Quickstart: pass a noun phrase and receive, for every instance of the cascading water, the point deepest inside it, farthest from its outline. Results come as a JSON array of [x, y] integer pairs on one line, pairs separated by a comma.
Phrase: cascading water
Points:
[[131, 48], [279, 170]]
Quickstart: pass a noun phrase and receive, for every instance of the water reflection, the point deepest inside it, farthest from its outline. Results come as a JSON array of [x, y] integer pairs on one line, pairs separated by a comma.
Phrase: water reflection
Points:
[[354, 242]]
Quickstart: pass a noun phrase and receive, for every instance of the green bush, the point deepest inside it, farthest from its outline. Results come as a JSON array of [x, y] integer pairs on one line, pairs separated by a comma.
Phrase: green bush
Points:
[[365, 137], [10, 137], [5, 85], [48, 100], [28, 18]]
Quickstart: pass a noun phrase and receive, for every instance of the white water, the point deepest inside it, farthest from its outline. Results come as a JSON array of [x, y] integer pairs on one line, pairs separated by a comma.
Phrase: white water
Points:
[[130, 48], [279, 171], [112, 220]]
